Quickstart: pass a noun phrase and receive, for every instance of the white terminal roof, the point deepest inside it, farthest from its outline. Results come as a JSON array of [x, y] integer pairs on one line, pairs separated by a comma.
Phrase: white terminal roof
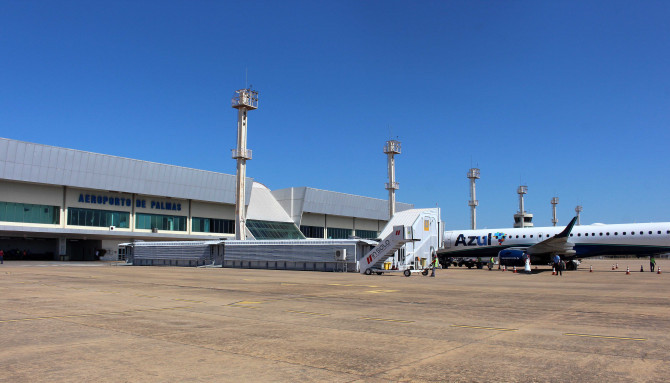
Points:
[[29, 162], [297, 201]]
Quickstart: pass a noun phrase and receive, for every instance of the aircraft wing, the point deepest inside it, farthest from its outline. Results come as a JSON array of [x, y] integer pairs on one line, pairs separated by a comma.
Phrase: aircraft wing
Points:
[[556, 244]]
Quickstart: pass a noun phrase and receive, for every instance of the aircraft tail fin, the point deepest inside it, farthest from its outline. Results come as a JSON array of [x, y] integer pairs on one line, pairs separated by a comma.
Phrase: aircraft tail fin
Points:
[[568, 229]]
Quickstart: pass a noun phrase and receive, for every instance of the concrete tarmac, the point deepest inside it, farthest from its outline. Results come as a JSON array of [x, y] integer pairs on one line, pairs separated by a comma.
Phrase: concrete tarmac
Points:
[[95, 322]]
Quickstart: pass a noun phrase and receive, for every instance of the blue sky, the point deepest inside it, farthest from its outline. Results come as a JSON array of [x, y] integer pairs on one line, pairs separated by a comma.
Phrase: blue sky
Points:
[[571, 98]]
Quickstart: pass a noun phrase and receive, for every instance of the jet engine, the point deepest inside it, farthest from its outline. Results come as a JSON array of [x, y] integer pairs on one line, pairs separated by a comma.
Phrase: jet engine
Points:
[[512, 257]]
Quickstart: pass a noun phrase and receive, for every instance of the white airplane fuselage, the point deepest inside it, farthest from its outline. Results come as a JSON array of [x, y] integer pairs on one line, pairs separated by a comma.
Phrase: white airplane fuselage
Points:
[[589, 240]]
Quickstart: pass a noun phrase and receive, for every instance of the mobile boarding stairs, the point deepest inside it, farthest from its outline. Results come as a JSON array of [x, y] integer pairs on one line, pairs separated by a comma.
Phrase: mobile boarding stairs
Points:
[[373, 261]]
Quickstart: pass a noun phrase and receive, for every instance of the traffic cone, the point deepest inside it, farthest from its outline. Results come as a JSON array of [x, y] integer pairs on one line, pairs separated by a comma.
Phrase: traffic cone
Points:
[[617, 266], [627, 270], [591, 269], [641, 269], [503, 269], [514, 270], [612, 266], [659, 271], [553, 271]]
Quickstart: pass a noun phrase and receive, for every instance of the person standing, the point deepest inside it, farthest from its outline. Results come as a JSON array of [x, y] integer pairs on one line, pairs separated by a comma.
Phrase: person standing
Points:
[[527, 267], [557, 265], [434, 264], [652, 263]]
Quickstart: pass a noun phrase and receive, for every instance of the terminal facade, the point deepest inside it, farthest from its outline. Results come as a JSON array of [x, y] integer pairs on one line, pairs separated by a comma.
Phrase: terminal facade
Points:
[[66, 204]]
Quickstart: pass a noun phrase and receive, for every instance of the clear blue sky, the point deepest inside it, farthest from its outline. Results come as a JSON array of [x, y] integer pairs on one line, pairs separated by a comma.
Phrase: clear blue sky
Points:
[[571, 98]]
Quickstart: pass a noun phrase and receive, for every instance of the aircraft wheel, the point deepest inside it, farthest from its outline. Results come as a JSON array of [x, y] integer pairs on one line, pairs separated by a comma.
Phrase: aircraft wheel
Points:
[[407, 273]]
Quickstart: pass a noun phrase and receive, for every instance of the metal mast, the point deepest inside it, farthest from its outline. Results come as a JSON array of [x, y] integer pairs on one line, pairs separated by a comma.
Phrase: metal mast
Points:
[[473, 174], [244, 100], [554, 202], [578, 210], [522, 219], [391, 148]]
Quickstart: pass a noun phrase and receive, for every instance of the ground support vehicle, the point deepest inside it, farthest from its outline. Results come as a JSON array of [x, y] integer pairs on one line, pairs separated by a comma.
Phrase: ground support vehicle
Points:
[[406, 272]]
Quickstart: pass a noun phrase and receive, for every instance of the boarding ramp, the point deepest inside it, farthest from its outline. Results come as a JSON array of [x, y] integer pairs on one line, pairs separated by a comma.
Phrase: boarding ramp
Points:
[[425, 224], [174, 253], [375, 258]]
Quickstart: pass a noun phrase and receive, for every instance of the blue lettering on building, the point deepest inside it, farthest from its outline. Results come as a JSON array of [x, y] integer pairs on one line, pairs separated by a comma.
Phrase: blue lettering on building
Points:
[[158, 205], [103, 200]]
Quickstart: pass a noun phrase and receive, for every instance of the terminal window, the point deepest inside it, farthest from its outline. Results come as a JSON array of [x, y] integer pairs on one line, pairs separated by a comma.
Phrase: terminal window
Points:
[[312, 231], [97, 218], [368, 234], [212, 225], [337, 233], [160, 222], [29, 213]]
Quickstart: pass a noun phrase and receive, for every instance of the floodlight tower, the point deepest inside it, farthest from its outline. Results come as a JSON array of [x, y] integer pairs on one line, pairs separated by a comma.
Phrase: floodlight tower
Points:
[[578, 210], [522, 219], [391, 148], [244, 100], [554, 202], [473, 174]]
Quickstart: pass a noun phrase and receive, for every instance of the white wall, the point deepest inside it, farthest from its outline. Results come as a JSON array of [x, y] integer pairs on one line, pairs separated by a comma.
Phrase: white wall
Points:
[[311, 219], [340, 222], [19, 192], [367, 224], [210, 210]]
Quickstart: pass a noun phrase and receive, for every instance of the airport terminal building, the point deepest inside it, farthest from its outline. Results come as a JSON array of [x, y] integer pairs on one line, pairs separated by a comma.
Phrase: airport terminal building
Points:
[[66, 204]]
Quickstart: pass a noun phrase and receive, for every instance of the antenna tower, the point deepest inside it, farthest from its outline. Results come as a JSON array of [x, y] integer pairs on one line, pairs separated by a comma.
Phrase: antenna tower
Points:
[[391, 148], [243, 100], [554, 202], [522, 219], [578, 210], [473, 174]]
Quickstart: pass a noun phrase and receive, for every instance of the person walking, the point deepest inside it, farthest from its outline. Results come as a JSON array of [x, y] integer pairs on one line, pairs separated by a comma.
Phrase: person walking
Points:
[[652, 263]]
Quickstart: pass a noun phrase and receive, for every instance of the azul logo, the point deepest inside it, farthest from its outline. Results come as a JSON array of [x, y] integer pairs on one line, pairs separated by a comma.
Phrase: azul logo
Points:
[[500, 237], [484, 240], [473, 240]]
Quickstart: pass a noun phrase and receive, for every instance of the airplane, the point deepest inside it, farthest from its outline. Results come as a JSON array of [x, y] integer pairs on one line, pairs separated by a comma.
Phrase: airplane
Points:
[[512, 245]]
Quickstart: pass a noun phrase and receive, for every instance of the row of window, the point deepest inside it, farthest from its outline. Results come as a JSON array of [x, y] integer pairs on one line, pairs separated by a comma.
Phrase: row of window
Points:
[[160, 222], [616, 233], [650, 232], [105, 218], [213, 225], [335, 233], [97, 218], [29, 213], [312, 231], [368, 234]]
